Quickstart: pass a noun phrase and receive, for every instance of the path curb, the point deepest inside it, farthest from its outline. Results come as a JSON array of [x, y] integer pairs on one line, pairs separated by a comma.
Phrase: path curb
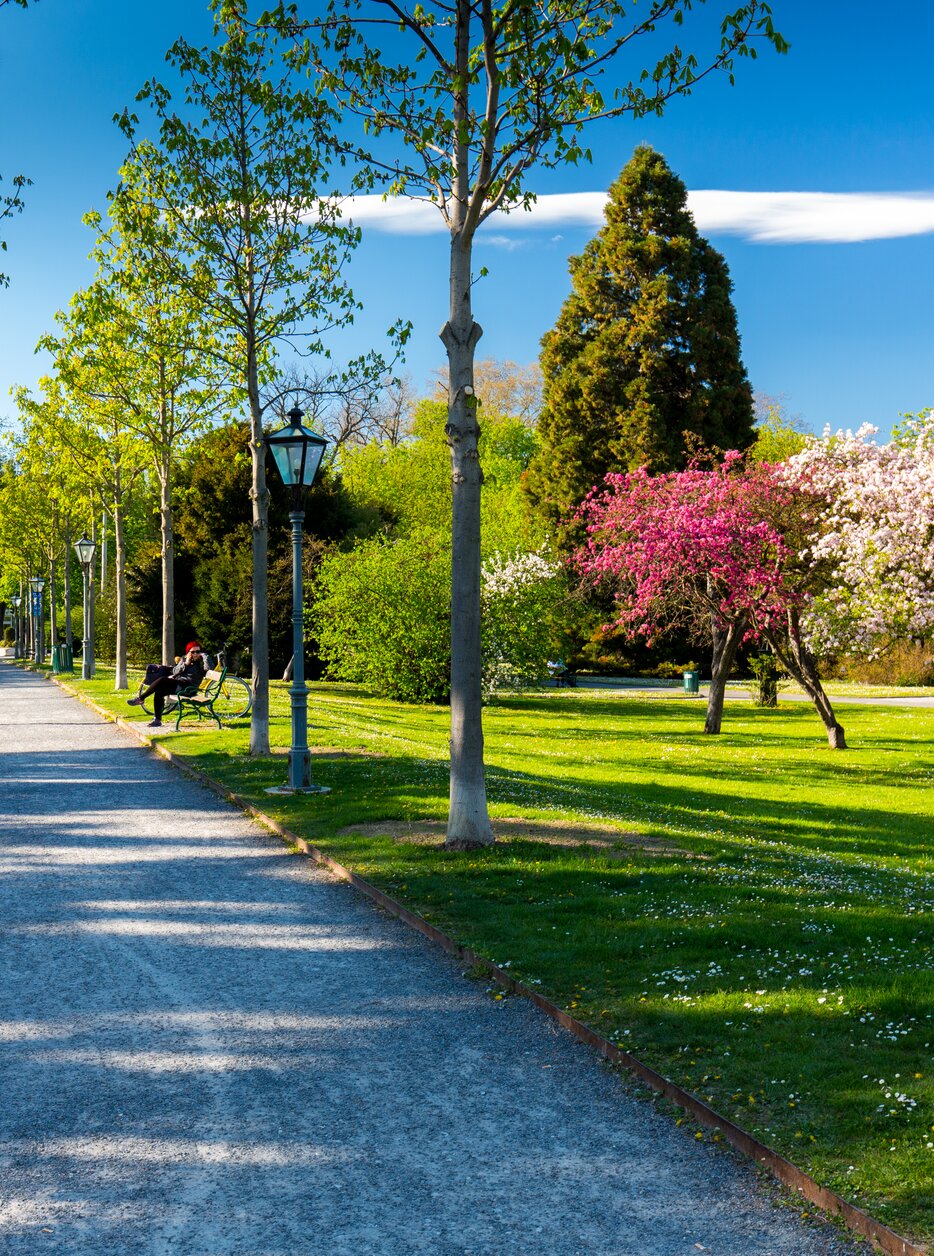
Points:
[[783, 1170]]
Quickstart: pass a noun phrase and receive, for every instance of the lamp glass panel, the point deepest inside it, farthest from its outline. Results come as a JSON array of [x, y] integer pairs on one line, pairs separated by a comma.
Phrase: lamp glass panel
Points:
[[313, 461], [85, 551], [283, 453]]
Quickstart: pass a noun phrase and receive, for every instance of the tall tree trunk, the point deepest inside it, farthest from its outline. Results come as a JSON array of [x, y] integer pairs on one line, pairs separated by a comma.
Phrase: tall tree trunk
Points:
[[167, 530], [67, 578], [725, 645], [53, 627], [120, 680], [799, 663], [259, 720], [468, 818], [104, 551]]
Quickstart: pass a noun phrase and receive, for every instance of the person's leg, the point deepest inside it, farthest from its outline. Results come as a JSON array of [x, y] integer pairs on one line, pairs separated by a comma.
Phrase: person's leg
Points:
[[162, 671], [159, 690]]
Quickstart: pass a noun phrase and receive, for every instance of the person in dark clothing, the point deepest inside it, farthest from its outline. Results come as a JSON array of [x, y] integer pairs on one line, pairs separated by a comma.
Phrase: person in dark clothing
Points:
[[187, 673]]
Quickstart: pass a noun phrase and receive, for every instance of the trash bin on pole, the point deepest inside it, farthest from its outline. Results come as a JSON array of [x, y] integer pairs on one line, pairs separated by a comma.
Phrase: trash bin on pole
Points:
[[692, 682]]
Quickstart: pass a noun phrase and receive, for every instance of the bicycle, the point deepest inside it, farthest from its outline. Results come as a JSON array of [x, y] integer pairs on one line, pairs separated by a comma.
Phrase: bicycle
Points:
[[232, 703], [236, 697]]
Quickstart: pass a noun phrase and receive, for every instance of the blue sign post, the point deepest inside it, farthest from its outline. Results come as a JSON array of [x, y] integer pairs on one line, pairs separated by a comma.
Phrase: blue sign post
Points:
[[36, 585]]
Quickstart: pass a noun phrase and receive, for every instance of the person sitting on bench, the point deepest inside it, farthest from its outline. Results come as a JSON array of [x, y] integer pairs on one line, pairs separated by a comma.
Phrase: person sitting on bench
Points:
[[188, 673]]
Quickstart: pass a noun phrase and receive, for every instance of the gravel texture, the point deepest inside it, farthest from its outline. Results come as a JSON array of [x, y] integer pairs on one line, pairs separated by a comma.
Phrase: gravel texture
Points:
[[209, 1047]]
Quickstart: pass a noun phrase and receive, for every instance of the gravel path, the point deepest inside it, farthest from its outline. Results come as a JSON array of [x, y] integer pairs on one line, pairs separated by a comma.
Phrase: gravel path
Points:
[[208, 1047]]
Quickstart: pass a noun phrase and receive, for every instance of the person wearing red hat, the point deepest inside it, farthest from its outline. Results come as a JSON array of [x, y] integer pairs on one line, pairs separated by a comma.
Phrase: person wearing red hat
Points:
[[187, 673]]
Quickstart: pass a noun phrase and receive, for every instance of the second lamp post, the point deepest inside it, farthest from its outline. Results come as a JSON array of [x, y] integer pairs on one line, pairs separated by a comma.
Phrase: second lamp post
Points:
[[297, 453], [85, 551]]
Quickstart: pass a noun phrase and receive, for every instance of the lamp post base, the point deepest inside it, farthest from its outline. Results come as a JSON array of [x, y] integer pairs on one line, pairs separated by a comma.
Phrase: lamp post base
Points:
[[297, 789]]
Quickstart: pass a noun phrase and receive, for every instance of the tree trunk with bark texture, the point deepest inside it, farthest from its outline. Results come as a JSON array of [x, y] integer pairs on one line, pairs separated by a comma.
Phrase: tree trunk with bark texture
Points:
[[167, 534], [800, 664], [468, 817], [725, 645], [104, 552], [52, 598], [259, 493], [67, 583], [120, 681]]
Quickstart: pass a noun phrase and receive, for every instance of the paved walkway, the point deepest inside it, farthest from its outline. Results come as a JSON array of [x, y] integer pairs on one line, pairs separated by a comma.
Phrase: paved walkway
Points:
[[209, 1048]]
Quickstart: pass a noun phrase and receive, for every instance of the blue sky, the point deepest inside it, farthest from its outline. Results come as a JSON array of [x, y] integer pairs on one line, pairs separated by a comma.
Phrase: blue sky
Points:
[[844, 329]]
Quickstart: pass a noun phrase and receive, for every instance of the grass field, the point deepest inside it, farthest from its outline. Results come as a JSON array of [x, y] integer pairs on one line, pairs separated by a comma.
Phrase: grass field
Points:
[[748, 914]]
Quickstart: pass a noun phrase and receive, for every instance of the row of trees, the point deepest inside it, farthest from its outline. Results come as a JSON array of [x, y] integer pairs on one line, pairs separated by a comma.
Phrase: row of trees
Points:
[[232, 206]]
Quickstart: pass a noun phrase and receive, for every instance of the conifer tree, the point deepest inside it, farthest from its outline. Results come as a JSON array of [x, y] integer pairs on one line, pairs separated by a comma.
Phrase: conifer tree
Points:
[[643, 365]]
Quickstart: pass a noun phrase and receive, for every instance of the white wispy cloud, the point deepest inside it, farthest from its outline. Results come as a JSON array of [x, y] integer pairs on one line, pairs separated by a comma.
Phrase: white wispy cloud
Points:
[[765, 217], [816, 217]]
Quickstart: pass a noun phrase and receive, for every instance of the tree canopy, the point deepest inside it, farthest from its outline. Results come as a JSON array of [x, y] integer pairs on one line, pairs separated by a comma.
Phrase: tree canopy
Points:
[[643, 365]]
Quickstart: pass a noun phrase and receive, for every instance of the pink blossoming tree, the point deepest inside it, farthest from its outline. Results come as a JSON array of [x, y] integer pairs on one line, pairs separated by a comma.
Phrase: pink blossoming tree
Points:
[[722, 550]]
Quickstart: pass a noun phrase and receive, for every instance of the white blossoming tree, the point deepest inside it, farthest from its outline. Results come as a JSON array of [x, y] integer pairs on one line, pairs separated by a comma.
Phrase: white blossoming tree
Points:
[[876, 537]]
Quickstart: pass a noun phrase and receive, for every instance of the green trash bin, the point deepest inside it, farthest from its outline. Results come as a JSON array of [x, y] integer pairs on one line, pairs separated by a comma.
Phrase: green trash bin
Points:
[[68, 658], [692, 682], [58, 660]]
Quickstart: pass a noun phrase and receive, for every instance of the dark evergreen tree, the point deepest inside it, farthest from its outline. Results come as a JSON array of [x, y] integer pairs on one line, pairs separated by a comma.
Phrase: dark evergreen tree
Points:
[[643, 366]]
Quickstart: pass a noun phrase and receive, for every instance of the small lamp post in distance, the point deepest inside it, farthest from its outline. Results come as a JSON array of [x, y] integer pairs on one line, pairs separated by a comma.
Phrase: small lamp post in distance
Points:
[[36, 585], [85, 551], [297, 453]]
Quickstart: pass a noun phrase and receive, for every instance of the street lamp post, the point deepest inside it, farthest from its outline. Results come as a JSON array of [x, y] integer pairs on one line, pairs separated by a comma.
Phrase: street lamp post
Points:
[[18, 637], [85, 551], [36, 585], [297, 453]]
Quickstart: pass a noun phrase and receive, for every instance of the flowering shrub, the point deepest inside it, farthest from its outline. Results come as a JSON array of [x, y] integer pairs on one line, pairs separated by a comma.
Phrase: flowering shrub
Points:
[[520, 594], [876, 537]]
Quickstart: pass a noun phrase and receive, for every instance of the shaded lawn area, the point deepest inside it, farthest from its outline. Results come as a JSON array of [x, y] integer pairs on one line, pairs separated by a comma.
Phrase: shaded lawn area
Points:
[[769, 949]]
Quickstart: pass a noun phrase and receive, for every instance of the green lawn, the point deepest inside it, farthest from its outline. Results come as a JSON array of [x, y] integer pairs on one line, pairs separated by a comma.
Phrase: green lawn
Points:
[[769, 947]]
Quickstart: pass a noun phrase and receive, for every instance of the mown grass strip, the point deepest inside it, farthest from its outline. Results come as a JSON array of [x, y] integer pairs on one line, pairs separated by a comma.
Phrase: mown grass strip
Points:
[[754, 924]]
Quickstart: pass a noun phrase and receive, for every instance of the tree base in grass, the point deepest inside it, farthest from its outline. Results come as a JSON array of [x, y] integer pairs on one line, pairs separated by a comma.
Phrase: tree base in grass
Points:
[[465, 844]]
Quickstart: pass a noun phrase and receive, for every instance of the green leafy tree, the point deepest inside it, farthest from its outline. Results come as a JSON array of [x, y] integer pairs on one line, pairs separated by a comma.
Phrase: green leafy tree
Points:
[[485, 94], [85, 426], [406, 486], [380, 616], [154, 350], [778, 434], [243, 180], [643, 365], [213, 526]]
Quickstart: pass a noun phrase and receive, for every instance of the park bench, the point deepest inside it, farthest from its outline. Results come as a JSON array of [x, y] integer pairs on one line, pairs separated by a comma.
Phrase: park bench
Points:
[[201, 700]]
